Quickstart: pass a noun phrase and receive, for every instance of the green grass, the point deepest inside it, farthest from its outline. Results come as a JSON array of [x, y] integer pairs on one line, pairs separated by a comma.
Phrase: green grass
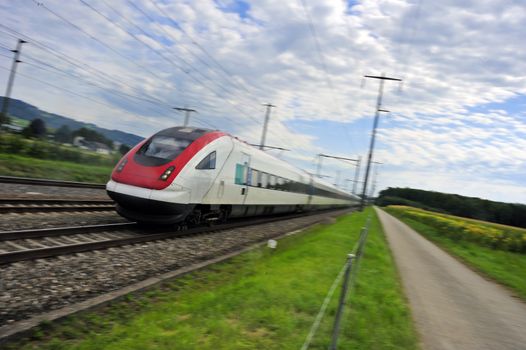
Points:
[[507, 268], [259, 300], [15, 165]]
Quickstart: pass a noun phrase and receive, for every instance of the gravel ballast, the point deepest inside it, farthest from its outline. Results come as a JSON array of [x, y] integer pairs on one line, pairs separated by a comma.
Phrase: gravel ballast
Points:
[[37, 191], [26, 221], [30, 288]]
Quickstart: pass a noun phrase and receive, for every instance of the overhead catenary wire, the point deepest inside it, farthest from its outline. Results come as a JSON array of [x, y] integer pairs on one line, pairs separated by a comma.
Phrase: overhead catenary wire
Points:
[[227, 76], [100, 42], [170, 61], [92, 71], [102, 76], [68, 91]]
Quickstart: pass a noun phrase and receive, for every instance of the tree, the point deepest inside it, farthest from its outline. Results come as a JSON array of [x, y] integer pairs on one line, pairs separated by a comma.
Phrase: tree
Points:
[[37, 128], [63, 134], [4, 118], [92, 135]]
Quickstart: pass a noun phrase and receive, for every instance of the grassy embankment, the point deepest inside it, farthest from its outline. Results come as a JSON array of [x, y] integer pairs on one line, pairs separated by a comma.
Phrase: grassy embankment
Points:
[[259, 300], [35, 158], [15, 165], [493, 249]]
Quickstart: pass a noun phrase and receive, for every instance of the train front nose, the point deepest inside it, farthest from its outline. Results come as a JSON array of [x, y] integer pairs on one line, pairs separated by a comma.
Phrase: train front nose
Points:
[[150, 206]]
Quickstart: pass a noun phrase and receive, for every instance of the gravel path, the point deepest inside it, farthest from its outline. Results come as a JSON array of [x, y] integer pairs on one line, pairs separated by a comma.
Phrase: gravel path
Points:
[[32, 287], [454, 308]]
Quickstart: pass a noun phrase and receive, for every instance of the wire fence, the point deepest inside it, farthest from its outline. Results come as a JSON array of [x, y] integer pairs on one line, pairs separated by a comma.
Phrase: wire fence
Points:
[[348, 272]]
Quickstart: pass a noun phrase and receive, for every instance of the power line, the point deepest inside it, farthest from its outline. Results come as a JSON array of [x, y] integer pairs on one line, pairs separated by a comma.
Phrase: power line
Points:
[[168, 60], [60, 88], [227, 75], [320, 54], [71, 75], [83, 66], [176, 25], [40, 4]]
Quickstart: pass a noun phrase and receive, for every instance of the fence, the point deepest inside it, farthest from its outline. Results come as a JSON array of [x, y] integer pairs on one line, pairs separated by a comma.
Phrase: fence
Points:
[[348, 272]]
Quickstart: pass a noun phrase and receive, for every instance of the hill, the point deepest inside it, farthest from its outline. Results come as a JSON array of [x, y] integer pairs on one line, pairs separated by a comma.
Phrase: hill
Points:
[[23, 110], [470, 207]]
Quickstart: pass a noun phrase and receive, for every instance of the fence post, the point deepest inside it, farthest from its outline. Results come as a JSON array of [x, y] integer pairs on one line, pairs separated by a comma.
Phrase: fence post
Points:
[[339, 311]]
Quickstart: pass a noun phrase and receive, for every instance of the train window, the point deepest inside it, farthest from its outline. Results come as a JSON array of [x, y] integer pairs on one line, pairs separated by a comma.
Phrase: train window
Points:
[[240, 174], [280, 183], [272, 182], [248, 176], [254, 175], [209, 162], [264, 180], [259, 178]]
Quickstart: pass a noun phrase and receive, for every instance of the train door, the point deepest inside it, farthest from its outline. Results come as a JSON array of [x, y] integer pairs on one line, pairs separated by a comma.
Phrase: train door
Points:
[[243, 176]]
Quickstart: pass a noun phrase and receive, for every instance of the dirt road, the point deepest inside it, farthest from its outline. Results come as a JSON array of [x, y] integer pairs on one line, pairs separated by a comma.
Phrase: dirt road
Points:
[[453, 307]]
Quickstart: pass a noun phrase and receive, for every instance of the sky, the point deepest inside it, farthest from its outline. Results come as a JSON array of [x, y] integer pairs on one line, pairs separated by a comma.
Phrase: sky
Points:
[[456, 123]]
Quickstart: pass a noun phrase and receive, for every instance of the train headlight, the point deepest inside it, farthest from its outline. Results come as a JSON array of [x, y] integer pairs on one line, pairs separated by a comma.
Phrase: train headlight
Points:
[[122, 164], [167, 173]]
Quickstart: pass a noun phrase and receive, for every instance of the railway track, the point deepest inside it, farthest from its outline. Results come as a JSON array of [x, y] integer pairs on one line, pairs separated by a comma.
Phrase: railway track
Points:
[[23, 205], [47, 182], [34, 244]]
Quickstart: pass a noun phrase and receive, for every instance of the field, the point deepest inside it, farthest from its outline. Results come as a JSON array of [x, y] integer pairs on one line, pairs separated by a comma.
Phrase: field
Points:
[[498, 251], [15, 165], [20, 156], [264, 299]]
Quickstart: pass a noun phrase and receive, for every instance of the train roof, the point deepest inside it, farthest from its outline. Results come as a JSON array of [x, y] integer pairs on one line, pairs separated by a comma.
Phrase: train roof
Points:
[[184, 132]]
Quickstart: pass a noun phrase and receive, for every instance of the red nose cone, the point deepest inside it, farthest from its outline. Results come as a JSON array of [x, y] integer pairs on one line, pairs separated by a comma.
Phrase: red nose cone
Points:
[[139, 175]]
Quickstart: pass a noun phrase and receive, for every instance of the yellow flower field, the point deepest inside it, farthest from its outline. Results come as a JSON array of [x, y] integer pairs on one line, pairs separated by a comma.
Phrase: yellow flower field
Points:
[[483, 233]]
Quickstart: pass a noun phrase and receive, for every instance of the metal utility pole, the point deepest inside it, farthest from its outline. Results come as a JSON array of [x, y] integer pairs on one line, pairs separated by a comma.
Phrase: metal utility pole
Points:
[[318, 168], [356, 174], [375, 177], [379, 109], [337, 182], [320, 156], [11, 80], [270, 147], [186, 115], [265, 125]]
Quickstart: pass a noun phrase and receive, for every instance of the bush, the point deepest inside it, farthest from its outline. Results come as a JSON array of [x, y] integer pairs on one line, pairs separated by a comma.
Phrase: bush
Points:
[[458, 229]]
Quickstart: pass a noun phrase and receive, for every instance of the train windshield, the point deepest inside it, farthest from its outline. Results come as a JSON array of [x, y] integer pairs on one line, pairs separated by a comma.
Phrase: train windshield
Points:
[[161, 149], [165, 147]]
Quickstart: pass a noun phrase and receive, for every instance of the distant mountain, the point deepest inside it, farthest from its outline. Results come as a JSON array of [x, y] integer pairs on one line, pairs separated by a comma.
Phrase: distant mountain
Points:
[[23, 110]]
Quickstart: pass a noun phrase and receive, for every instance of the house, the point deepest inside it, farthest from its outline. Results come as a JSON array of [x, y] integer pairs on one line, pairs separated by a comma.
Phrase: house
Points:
[[94, 146]]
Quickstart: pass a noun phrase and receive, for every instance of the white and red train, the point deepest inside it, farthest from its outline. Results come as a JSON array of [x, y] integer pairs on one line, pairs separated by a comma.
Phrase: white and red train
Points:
[[198, 175]]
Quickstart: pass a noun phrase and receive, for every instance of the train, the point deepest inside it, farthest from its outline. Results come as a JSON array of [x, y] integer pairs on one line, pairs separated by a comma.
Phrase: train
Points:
[[194, 175]]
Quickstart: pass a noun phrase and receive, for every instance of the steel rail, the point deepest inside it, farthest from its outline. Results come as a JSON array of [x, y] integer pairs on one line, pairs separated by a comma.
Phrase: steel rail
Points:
[[31, 254], [64, 231], [15, 200], [48, 182], [56, 209]]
